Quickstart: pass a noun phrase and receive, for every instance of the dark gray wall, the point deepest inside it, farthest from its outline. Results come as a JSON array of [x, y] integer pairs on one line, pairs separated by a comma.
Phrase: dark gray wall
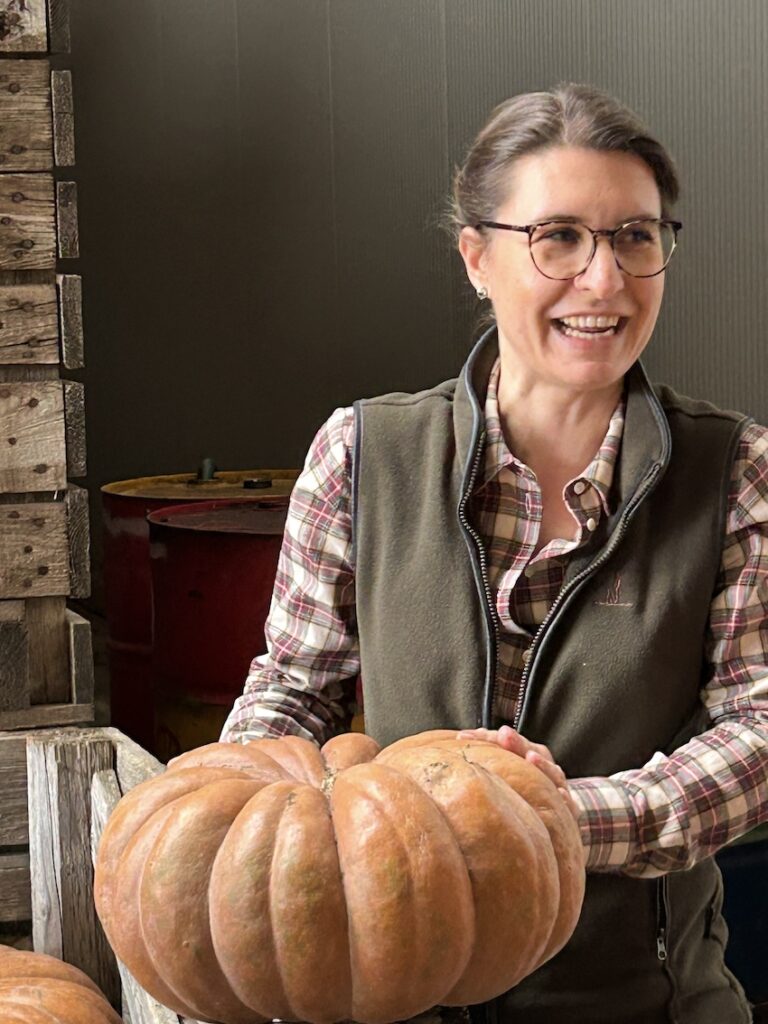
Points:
[[260, 182]]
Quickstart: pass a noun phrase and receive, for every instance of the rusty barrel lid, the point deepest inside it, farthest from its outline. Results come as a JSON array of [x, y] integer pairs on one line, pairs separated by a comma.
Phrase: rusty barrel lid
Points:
[[246, 483], [266, 517]]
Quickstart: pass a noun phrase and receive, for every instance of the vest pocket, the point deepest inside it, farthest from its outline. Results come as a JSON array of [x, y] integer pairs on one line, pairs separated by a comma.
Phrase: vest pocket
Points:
[[714, 922]]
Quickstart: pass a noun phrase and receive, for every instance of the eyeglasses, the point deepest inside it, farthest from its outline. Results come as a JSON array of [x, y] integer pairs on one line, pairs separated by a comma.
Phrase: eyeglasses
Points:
[[564, 249]]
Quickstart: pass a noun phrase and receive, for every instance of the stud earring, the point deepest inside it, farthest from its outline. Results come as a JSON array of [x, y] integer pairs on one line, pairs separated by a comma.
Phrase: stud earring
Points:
[[482, 293]]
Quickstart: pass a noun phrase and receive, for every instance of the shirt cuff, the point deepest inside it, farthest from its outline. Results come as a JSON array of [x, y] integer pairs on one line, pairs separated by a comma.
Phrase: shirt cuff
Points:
[[607, 823]]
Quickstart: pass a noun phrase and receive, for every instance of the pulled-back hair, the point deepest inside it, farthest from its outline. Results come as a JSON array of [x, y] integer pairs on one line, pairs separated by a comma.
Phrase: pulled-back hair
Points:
[[568, 115]]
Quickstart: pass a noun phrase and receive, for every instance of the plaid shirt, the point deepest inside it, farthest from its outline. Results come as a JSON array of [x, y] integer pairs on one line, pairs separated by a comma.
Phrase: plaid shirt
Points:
[[667, 815]]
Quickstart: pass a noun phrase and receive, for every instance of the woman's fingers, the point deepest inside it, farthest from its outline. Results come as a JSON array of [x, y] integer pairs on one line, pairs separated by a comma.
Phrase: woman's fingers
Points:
[[536, 753]]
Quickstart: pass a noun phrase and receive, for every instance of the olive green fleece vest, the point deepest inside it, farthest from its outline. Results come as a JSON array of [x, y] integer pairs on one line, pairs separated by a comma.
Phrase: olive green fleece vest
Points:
[[615, 672]]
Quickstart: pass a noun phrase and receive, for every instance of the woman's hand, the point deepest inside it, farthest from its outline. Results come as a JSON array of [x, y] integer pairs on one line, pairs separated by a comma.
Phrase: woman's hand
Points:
[[536, 753]]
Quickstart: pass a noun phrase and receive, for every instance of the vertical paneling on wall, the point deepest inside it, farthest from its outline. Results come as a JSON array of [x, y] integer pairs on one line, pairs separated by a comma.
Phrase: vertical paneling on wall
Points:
[[261, 182]]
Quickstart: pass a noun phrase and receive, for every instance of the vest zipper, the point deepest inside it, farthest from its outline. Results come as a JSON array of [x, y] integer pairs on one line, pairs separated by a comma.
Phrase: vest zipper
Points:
[[661, 921], [577, 580], [662, 941], [491, 616]]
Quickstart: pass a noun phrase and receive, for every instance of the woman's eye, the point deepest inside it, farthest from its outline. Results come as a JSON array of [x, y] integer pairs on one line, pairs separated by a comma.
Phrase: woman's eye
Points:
[[638, 236], [568, 235]]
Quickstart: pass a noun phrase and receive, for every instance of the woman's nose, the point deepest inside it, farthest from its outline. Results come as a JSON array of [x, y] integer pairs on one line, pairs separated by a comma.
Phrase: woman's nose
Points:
[[603, 276]]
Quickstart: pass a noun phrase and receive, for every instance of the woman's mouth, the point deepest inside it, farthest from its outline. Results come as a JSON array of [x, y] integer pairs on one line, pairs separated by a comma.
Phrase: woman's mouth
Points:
[[590, 326]]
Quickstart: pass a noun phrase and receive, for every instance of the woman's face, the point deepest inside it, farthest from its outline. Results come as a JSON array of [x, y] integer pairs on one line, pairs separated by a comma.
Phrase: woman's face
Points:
[[602, 190]]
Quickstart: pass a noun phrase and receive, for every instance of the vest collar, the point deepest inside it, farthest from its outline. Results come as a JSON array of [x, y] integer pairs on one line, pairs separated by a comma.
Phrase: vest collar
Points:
[[646, 444]]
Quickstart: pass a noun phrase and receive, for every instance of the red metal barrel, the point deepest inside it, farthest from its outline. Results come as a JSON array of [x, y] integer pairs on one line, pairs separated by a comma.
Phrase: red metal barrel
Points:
[[127, 577], [213, 571]]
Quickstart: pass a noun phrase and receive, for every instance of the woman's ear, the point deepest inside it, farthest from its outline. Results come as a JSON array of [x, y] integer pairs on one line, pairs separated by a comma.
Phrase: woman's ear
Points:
[[472, 248]]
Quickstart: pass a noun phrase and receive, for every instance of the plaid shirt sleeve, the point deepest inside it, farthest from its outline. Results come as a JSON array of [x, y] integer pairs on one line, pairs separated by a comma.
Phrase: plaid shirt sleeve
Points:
[[305, 683], [681, 808]]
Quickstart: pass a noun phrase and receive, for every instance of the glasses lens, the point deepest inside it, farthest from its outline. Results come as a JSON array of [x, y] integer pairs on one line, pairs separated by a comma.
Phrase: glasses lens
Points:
[[561, 250], [643, 247]]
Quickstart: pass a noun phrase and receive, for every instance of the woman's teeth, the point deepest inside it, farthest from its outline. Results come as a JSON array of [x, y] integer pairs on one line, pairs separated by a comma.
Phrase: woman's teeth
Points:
[[588, 326]]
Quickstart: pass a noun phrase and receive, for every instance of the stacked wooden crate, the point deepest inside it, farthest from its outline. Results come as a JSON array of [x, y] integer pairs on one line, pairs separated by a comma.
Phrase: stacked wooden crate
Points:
[[46, 667]]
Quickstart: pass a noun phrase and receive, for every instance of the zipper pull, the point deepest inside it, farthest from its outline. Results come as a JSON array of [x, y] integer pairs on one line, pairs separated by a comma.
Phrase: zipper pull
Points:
[[661, 944]]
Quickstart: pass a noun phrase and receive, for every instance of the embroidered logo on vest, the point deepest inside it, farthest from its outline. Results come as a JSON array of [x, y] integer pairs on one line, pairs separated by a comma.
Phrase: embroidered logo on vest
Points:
[[613, 595]]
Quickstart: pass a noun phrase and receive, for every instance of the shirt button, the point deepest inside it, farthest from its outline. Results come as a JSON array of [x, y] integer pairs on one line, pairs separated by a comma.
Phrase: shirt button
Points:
[[579, 487], [591, 524], [526, 656]]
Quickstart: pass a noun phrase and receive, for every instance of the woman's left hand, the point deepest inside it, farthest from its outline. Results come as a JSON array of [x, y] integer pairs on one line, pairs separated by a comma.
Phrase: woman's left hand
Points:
[[536, 753]]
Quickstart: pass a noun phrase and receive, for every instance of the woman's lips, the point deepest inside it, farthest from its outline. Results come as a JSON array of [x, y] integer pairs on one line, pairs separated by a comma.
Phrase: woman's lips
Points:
[[589, 333]]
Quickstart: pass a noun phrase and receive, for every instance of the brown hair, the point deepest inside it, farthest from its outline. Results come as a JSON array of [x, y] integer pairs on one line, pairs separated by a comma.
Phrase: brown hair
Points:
[[568, 115]]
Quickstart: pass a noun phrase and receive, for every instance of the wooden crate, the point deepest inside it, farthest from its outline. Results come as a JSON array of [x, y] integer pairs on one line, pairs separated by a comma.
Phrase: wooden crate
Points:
[[50, 779]]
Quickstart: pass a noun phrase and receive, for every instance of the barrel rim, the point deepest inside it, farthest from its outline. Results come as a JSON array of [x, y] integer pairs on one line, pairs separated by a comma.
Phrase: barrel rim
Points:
[[135, 487]]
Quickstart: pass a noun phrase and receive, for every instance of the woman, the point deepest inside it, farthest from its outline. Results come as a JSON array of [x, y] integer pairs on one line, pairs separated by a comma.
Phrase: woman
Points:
[[550, 551]]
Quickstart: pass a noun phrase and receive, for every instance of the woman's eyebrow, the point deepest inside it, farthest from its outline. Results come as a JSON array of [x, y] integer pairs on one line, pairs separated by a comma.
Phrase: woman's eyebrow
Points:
[[568, 218]]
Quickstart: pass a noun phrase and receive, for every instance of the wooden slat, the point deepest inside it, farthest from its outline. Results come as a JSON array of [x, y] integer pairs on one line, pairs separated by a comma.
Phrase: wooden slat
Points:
[[34, 550], [16, 903], [14, 820], [32, 437], [14, 657], [64, 922], [79, 542], [71, 320], [66, 219], [23, 27], [134, 763], [27, 222], [28, 324], [63, 118], [41, 716], [80, 658], [141, 1007], [74, 421], [13, 373], [26, 136], [49, 673], [58, 26]]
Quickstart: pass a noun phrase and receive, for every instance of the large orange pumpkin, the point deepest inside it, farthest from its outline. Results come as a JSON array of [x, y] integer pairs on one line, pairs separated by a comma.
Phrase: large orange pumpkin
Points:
[[278, 880], [39, 989]]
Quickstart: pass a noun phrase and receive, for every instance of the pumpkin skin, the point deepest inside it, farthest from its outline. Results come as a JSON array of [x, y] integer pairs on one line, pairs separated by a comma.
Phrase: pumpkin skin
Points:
[[39, 989], [278, 880]]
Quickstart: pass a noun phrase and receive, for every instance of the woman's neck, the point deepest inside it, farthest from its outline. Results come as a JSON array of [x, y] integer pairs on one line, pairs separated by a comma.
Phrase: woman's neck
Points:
[[553, 428]]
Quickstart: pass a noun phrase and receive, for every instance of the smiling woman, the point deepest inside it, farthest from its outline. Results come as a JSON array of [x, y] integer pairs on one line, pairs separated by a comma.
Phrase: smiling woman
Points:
[[550, 554]]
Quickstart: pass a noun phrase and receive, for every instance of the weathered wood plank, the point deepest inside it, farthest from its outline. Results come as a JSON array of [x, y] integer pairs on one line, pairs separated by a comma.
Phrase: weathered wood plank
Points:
[[58, 26], [79, 542], [32, 436], [16, 903], [14, 657], [74, 422], [140, 1006], [49, 675], [34, 550], [64, 921], [29, 324], [14, 820], [80, 658], [14, 374], [134, 763], [23, 27], [63, 118], [71, 320], [27, 222], [26, 135], [66, 219], [40, 716]]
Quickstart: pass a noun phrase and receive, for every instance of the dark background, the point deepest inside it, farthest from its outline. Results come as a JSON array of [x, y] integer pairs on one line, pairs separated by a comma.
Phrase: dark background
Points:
[[260, 183]]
